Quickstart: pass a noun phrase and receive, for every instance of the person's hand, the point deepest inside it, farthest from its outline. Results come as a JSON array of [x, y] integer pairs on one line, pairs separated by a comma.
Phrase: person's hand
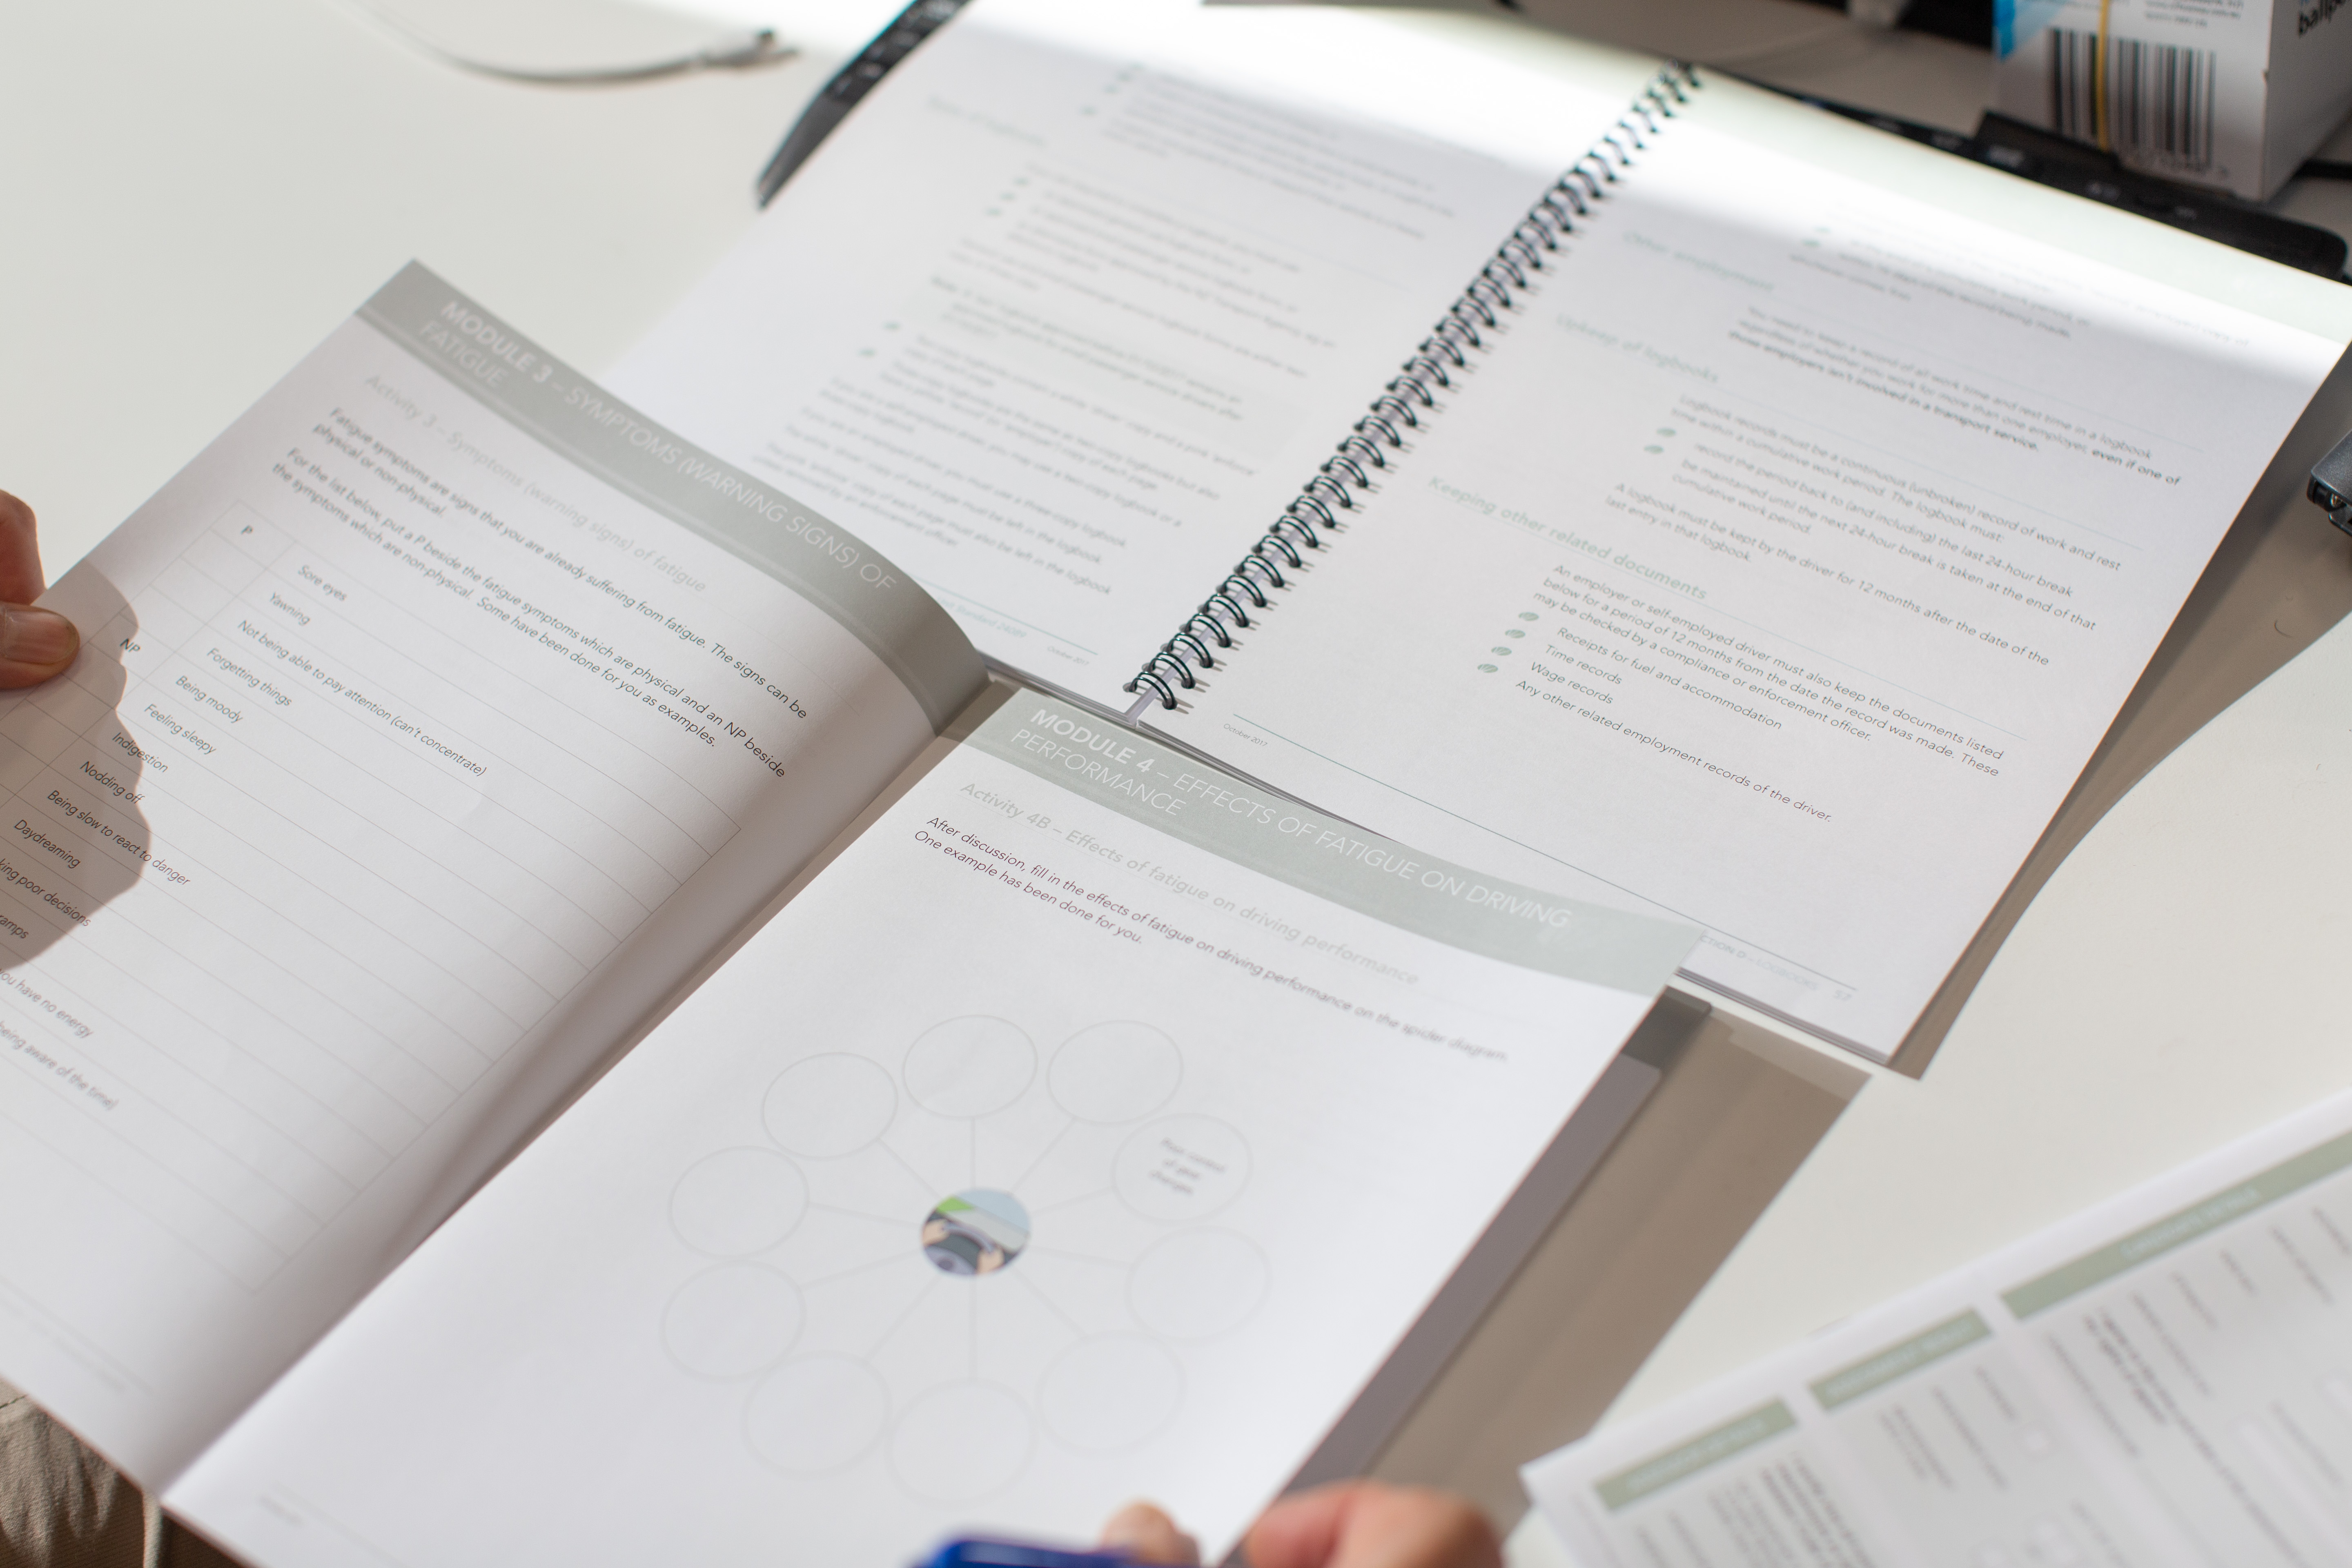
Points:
[[1352, 1524], [1363, 1524], [1147, 1535], [34, 644]]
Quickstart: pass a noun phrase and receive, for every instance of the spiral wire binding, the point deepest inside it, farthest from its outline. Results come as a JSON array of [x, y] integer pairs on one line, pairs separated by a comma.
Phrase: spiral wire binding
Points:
[[1316, 510]]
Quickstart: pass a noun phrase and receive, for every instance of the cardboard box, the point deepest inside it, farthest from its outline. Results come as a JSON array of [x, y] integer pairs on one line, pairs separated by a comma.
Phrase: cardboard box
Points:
[[2233, 93]]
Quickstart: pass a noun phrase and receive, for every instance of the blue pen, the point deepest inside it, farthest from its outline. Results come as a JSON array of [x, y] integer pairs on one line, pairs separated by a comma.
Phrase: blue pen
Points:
[[980, 1553]]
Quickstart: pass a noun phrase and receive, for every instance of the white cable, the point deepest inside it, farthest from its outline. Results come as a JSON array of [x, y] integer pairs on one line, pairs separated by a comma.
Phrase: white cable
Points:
[[736, 51]]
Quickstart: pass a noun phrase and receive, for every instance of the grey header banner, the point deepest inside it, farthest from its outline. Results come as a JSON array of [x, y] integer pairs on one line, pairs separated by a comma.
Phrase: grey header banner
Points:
[[573, 417], [1102, 760]]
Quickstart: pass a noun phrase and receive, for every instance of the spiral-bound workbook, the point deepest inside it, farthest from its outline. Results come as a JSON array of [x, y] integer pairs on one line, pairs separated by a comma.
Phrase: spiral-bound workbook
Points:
[[1606, 472]]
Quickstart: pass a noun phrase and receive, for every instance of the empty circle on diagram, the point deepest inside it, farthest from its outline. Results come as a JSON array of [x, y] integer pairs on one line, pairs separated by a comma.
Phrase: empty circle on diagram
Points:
[[829, 1106], [732, 1322], [1115, 1072], [1181, 1168], [737, 1202], [1198, 1285], [817, 1413], [960, 1443], [1111, 1391], [969, 1066]]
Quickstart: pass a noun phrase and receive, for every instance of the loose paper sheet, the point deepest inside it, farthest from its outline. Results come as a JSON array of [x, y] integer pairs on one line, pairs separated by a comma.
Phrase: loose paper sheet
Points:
[[2160, 1382]]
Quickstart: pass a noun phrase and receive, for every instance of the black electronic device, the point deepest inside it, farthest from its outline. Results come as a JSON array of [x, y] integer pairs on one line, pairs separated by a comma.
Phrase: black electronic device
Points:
[[2049, 159], [2331, 485], [1963, 21], [853, 81]]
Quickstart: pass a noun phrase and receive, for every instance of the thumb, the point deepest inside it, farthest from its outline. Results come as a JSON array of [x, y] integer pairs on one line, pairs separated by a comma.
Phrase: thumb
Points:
[[1145, 1533], [34, 644], [1365, 1524]]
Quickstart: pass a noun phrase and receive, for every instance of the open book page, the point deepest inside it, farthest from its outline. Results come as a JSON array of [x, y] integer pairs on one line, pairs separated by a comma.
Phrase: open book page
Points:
[[1781, 567], [430, 727], [2158, 1382], [1064, 313], [1094, 1123]]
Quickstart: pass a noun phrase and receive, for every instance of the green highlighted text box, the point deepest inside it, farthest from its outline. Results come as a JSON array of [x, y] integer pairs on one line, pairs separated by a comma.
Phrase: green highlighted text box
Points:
[[2180, 1229], [1900, 1361], [1629, 1486]]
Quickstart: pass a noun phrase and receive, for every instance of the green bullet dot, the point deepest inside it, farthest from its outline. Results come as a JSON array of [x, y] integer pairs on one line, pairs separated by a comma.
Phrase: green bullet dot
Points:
[[1486, 668], [1514, 632], [1498, 651], [1526, 615], [1653, 448], [1665, 430]]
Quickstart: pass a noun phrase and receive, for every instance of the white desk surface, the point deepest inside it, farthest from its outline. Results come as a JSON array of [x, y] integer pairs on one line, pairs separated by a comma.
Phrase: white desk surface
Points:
[[195, 195]]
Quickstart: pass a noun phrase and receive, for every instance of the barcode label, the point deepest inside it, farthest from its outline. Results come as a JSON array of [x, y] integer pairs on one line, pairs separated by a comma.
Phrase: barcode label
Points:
[[2159, 96]]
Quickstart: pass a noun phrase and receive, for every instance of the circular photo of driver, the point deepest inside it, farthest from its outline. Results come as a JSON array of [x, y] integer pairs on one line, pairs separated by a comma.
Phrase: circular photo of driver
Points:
[[977, 1231]]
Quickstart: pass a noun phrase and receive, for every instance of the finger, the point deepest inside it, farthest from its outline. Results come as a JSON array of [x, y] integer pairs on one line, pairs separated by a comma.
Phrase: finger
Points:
[[20, 552], [1301, 1530], [1364, 1524], [1147, 1535], [34, 644]]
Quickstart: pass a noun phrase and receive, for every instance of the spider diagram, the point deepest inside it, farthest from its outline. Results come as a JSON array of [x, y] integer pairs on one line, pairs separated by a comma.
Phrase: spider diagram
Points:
[[942, 1267]]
